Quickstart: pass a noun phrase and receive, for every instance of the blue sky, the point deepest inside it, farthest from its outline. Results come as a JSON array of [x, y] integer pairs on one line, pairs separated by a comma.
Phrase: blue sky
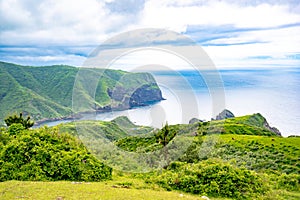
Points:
[[234, 33]]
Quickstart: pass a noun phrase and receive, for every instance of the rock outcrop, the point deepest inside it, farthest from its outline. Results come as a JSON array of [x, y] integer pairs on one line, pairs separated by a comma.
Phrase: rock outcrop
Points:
[[145, 95], [272, 129], [195, 120], [126, 98], [225, 114]]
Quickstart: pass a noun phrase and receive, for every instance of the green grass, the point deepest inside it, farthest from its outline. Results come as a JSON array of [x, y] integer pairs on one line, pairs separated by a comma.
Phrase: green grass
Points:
[[119, 188], [260, 153]]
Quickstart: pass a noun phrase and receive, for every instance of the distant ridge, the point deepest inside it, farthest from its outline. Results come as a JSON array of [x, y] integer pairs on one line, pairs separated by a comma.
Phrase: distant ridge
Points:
[[46, 92]]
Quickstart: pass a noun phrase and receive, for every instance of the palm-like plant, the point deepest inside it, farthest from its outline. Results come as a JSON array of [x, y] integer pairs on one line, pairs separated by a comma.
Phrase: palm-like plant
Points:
[[14, 119], [165, 135]]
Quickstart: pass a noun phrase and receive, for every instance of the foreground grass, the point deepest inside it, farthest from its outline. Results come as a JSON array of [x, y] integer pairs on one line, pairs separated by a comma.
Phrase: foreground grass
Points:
[[119, 188]]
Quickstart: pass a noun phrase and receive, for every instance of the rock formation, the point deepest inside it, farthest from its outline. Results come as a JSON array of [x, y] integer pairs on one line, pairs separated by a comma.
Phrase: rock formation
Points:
[[225, 114]]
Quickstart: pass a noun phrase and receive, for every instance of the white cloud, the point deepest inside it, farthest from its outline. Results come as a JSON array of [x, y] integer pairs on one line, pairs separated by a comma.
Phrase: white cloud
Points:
[[277, 44], [163, 15], [58, 22], [90, 22]]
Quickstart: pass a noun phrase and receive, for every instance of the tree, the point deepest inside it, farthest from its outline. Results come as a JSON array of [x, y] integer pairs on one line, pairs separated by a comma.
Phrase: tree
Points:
[[165, 135], [14, 119]]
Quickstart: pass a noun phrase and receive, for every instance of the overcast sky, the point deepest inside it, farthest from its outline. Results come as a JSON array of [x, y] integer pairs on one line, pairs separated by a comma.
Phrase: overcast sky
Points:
[[234, 33]]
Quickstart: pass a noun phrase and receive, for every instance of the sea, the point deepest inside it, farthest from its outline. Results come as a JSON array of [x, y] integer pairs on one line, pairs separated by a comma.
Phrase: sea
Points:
[[195, 94]]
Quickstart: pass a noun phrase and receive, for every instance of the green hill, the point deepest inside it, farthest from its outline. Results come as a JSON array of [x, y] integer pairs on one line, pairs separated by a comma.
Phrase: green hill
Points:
[[239, 158], [46, 92], [254, 124], [245, 140], [245, 160]]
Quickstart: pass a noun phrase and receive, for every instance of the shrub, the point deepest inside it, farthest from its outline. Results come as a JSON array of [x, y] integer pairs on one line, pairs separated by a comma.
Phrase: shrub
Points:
[[289, 182], [212, 178], [44, 154]]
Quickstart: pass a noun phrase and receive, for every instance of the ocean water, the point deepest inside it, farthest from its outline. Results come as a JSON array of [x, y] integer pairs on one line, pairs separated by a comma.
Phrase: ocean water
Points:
[[272, 92]]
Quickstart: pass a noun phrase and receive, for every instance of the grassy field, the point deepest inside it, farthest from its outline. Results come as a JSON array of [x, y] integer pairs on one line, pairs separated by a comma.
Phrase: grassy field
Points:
[[120, 188]]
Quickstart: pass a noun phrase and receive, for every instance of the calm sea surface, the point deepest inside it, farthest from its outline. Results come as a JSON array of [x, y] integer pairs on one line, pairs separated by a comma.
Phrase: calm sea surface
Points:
[[272, 92]]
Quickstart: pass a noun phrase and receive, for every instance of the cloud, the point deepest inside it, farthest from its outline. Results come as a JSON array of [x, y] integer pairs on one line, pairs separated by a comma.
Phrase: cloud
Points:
[[130, 7], [216, 13], [233, 32], [58, 22]]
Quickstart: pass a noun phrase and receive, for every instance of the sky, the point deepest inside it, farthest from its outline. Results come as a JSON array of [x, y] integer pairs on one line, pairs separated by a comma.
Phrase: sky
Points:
[[233, 33]]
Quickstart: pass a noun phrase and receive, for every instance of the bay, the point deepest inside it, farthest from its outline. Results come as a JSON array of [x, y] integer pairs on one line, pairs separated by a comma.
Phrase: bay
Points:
[[272, 92]]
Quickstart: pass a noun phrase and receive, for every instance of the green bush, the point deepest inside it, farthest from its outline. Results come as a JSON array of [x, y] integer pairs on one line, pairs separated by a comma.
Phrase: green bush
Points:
[[212, 178], [15, 129], [44, 154], [289, 182]]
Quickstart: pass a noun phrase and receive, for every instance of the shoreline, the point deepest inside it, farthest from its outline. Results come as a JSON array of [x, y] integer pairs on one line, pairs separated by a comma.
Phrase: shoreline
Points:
[[78, 116]]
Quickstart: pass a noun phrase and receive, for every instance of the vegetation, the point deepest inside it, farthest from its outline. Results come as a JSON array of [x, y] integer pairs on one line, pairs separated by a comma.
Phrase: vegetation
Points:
[[212, 178], [121, 187], [245, 161], [126, 188], [165, 135], [233, 158], [46, 92], [246, 125], [246, 154], [45, 154], [14, 119]]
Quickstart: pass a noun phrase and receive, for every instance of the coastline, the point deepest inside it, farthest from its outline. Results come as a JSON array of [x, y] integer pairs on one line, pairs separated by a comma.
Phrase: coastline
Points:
[[79, 115]]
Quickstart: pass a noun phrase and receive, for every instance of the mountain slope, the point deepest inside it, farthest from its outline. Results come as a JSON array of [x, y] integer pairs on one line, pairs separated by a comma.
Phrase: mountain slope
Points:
[[46, 92], [236, 164], [245, 160]]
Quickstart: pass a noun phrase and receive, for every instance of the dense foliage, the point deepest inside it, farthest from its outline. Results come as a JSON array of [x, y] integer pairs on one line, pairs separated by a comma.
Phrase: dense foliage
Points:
[[45, 154], [46, 92], [212, 178]]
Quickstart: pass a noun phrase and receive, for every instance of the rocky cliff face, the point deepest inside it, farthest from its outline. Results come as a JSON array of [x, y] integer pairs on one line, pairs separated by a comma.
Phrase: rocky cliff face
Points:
[[123, 98], [145, 95], [272, 129]]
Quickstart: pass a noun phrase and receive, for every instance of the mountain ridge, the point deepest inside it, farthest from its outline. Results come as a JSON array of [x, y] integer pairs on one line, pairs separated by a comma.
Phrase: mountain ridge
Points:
[[46, 92]]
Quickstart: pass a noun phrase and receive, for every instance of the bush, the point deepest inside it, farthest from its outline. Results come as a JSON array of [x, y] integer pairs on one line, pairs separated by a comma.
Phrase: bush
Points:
[[15, 129], [44, 154], [212, 178], [289, 182]]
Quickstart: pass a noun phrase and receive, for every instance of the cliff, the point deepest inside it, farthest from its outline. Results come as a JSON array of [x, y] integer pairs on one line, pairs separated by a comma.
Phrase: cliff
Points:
[[47, 92]]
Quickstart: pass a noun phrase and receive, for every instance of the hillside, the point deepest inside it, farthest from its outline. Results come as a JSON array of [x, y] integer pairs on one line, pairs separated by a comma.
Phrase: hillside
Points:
[[246, 140], [46, 92], [246, 161]]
